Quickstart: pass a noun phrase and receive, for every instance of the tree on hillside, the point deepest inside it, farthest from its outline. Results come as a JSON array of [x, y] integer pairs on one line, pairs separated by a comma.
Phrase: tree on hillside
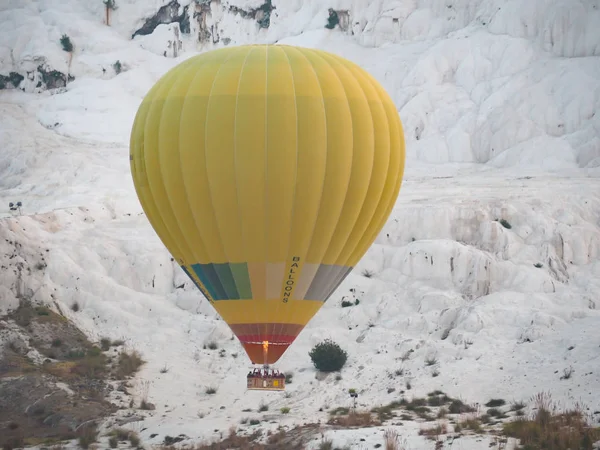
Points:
[[109, 5], [327, 356]]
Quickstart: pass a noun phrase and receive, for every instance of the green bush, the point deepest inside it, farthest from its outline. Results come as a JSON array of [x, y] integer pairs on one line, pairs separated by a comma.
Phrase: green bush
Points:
[[332, 20], [66, 43], [327, 356]]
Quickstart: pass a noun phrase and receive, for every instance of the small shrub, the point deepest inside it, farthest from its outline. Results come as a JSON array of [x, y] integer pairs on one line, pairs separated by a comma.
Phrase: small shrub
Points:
[[289, 377], [42, 311], [470, 424], [91, 366], [212, 345], [94, 351], [128, 364], [75, 307], [346, 303], [567, 373], [146, 405], [386, 412], [437, 398], [458, 407], [263, 407], [517, 406], [134, 439], [87, 435], [367, 273], [105, 344], [117, 67], [75, 354], [431, 361], [254, 421], [66, 43], [332, 20], [538, 265], [391, 439], [495, 412], [327, 356], [505, 224], [495, 402], [435, 431], [285, 410], [211, 390], [326, 444], [164, 369], [113, 442], [56, 342]]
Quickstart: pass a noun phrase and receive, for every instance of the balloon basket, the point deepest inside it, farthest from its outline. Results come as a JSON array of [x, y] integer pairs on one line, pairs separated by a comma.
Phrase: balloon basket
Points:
[[265, 380]]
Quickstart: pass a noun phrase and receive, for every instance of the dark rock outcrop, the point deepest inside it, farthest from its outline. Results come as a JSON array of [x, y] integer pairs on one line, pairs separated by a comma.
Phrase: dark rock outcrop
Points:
[[262, 14], [168, 13], [48, 78], [54, 79], [13, 79]]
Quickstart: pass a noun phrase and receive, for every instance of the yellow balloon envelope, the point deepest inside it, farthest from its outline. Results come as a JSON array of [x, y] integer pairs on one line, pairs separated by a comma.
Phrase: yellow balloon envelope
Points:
[[267, 171]]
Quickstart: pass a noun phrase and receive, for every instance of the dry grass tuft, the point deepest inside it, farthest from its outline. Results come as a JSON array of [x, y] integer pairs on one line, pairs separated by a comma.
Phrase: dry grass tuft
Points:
[[128, 364], [434, 433], [354, 420], [391, 439], [548, 428]]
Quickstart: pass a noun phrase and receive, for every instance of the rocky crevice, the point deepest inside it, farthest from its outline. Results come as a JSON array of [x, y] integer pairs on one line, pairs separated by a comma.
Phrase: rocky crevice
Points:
[[13, 79], [41, 79], [262, 14], [168, 13]]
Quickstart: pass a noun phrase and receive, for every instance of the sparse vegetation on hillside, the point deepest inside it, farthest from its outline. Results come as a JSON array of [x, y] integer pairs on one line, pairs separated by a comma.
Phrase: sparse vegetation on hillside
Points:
[[367, 273], [550, 428], [293, 439], [45, 348], [117, 67], [332, 20], [328, 356], [65, 42]]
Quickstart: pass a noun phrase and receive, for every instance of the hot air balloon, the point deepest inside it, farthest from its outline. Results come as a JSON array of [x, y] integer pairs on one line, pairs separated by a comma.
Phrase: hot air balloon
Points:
[[267, 171]]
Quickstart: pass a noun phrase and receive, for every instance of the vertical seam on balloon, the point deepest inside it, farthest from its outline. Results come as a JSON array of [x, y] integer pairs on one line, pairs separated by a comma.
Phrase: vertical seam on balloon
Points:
[[343, 263], [166, 227], [212, 203], [237, 187], [169, 197], [326, 151], [148, 200], [389, 206], [266, 143], [377, 208], [279, 301], [390, 172], [351, 161], [341, 275], [185, 188]]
